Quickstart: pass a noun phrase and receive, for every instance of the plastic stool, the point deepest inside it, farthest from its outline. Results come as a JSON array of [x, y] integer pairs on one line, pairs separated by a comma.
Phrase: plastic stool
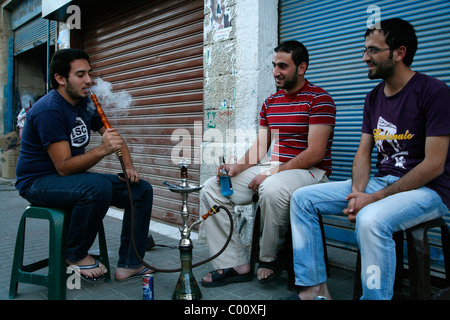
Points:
[[55, 279], [418, 248]]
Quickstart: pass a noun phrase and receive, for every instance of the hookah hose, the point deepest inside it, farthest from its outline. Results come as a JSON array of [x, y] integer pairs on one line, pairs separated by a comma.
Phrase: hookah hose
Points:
[[212, 211]]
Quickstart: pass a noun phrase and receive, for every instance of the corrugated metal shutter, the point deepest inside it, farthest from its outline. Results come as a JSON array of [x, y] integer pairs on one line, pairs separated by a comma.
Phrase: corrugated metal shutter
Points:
[[33, 34], [153, 51], [333, 32]]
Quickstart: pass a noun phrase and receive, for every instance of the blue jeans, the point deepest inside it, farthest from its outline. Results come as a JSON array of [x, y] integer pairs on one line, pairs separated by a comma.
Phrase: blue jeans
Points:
[[88, 196], [375, 225]]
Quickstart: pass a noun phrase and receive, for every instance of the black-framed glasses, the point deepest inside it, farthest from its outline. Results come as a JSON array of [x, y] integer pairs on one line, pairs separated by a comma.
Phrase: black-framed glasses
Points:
[[373, 50]]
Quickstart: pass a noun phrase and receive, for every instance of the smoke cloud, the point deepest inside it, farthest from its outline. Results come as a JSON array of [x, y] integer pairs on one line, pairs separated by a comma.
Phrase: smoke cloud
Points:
[[114, 104]]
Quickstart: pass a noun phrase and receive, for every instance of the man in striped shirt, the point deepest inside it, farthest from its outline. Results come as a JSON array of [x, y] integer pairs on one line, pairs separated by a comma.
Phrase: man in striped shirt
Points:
[[299, 121]]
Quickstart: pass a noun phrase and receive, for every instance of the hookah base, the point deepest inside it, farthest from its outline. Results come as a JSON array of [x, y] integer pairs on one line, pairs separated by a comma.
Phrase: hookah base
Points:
[[187, 287]]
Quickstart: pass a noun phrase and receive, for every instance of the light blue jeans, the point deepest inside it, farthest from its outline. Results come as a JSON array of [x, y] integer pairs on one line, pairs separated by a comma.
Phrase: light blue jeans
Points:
[[375, 225]]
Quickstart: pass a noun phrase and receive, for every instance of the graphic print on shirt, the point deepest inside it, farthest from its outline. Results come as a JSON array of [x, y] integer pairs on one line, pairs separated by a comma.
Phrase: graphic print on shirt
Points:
[[79, 135], [392, 148]]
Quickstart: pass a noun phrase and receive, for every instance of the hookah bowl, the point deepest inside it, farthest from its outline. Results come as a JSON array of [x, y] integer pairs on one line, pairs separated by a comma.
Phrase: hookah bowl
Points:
[[187, 287]]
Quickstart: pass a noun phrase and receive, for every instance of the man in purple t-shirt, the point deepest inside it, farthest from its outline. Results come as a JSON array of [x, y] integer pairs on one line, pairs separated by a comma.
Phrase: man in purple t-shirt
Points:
[[407, 118]]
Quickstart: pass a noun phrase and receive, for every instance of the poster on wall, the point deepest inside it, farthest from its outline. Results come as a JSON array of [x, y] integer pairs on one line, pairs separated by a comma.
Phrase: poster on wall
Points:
[[221, 20], [63, 39]]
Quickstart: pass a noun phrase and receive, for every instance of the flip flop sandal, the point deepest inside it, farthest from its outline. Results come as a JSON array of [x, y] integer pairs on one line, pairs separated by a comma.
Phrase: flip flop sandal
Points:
[[228, 276], [136, 275], [275, 266], [88, 267]]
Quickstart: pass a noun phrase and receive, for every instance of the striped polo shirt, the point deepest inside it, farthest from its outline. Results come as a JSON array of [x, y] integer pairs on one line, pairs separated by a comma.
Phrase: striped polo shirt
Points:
[[291, 115]]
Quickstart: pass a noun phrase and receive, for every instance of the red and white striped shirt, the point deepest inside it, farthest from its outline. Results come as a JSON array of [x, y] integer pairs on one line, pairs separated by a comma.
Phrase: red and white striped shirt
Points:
[[292, 114]]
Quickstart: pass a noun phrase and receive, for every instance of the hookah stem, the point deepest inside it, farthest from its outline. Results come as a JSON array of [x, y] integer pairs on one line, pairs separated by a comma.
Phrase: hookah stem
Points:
[[127, 181], [107, 126], [100, 111]]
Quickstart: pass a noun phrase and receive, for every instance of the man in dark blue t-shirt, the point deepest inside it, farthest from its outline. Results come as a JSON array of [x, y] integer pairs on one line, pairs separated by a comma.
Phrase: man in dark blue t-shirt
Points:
[[53, 163], [406, 118]]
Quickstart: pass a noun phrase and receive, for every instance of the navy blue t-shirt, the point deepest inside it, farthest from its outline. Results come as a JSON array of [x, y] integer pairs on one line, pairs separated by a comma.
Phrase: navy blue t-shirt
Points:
[[52, 119]]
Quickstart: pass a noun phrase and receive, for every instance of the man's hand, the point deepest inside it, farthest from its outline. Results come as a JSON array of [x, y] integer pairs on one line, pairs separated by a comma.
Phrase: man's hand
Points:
[[111, 141], [357, 201], [232, 169], [133, 176], [256, 181]]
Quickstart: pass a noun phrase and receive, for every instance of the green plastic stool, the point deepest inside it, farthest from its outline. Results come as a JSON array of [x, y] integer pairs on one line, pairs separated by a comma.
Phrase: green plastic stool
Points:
[[55, 279]]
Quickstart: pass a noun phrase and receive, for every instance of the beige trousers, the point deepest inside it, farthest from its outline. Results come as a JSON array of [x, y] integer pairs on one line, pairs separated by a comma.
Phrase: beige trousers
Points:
[[274, 197]]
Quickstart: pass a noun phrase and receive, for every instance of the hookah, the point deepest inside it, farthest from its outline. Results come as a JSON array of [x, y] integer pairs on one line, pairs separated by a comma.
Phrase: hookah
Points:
[[187, 287]]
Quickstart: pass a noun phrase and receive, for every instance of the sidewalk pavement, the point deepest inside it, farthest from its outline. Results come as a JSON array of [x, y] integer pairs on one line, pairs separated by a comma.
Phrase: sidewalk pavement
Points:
[[12, 206]]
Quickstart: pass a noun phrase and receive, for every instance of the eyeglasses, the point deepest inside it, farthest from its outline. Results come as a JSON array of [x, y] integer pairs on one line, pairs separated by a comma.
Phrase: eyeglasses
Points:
[[373, 50]]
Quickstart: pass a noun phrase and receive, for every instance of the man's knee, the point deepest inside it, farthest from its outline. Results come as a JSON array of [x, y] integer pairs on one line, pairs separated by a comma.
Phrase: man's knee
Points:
[[146, 190], [273, 192], [297, 197], [368, 225], [301, 198]]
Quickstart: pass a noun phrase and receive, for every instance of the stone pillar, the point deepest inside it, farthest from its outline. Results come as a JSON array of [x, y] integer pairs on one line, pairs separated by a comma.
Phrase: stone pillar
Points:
[[239, 38]]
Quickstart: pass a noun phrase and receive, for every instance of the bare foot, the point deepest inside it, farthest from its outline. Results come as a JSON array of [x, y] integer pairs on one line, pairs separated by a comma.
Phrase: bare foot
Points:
[[124, 273], [243, 269], [264, 273], [311, 292], [91, 272]]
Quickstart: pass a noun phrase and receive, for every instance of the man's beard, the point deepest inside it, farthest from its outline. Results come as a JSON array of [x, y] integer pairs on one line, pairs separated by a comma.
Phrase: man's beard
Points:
[[72, 92], [384, 70], [290, 82]]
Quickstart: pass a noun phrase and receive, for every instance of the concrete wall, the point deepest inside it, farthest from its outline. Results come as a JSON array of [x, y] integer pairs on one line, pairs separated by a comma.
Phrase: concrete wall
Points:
[[237, 79], [237, 75]]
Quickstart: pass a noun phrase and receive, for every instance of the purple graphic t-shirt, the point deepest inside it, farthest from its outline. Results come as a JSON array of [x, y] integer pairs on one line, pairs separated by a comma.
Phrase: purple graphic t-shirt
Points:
[[400, 124]]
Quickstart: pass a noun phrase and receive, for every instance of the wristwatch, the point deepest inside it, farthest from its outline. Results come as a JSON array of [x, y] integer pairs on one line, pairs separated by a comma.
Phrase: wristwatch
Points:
[[268, 173]]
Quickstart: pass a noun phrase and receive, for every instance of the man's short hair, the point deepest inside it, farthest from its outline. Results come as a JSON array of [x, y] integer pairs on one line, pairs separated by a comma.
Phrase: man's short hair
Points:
[[399, 33], [296, 49], [60, 63]]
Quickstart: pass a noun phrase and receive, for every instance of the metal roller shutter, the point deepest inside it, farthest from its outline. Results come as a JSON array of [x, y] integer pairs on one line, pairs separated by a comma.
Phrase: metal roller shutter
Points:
[[33, 34], [333, 32], [153, 51]]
